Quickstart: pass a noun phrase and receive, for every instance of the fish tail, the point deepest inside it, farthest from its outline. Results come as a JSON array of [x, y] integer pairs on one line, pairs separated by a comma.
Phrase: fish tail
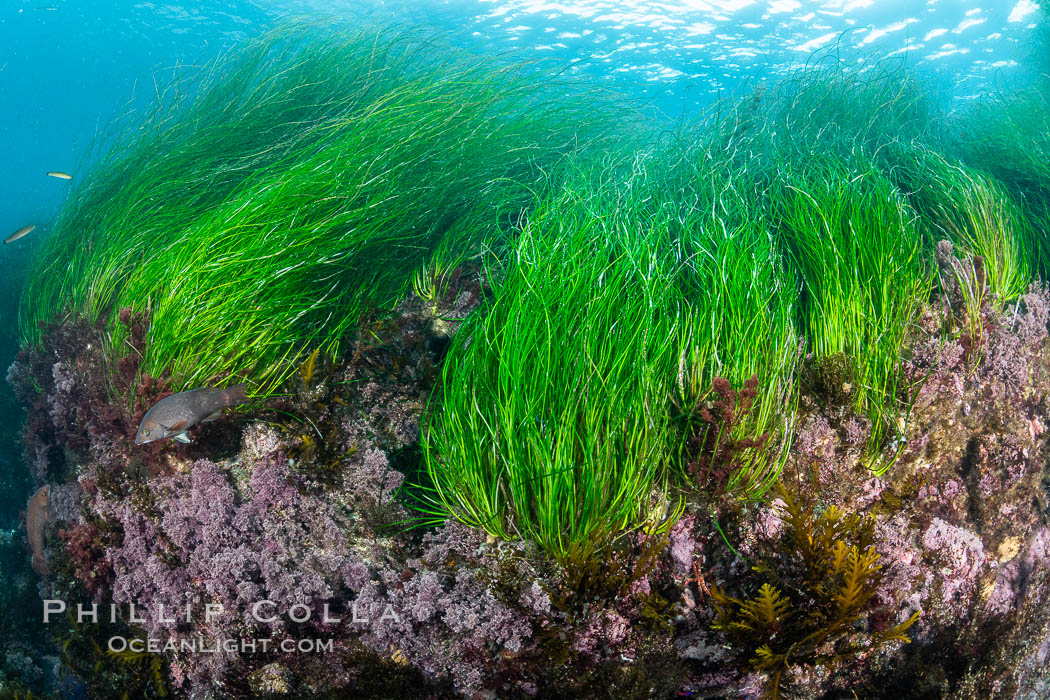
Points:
[[236, 394], [40, 566]]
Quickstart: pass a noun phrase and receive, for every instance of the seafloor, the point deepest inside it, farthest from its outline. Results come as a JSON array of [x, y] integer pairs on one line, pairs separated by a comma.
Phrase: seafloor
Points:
[[260, 509]]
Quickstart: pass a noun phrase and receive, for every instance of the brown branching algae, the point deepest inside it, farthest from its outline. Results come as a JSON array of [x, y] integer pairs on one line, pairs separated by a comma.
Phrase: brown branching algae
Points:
[[815, 605]]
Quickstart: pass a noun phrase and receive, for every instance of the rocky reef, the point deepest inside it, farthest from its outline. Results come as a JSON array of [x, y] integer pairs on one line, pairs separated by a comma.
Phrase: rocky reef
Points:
[[291, 521]]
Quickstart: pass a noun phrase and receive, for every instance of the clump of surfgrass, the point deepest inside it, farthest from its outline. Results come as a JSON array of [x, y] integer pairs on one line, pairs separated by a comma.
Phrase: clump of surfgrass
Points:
[[266, 203], [740, 327], [829, 107], [859, 252], [824, 107], [563, 402], [977, 215], [553, 423], [739, 296], [817, 154], [1008, 137]]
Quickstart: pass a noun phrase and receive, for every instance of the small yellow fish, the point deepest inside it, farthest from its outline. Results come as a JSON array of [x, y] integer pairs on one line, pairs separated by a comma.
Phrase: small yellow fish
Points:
[[60, 175], [19, 233]]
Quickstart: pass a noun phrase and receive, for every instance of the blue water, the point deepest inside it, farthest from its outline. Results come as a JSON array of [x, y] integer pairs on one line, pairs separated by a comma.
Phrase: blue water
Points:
[[67, 68]]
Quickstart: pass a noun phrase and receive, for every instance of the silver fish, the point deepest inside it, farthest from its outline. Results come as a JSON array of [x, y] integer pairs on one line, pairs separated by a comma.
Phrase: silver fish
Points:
[[60, 175], [173, 416], [19, 233]]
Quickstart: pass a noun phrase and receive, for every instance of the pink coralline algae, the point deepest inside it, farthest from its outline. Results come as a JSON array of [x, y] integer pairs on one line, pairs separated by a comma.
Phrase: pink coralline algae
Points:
[[450, 622], [208, 543], [1016, 574], [958, 557], [309, 512], [682, 545], [602, 631], [370, 476]]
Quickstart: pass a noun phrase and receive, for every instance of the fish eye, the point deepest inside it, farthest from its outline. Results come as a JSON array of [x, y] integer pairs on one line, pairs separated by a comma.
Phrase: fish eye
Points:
[[145, 431]]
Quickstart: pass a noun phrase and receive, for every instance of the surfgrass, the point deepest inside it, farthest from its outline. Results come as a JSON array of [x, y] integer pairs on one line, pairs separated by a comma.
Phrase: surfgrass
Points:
[[821, 153], [1008, 138], [566, 401], [976, 213], [740, 294], [827, 107], [262, 206], [553, 423], [859, 252]]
